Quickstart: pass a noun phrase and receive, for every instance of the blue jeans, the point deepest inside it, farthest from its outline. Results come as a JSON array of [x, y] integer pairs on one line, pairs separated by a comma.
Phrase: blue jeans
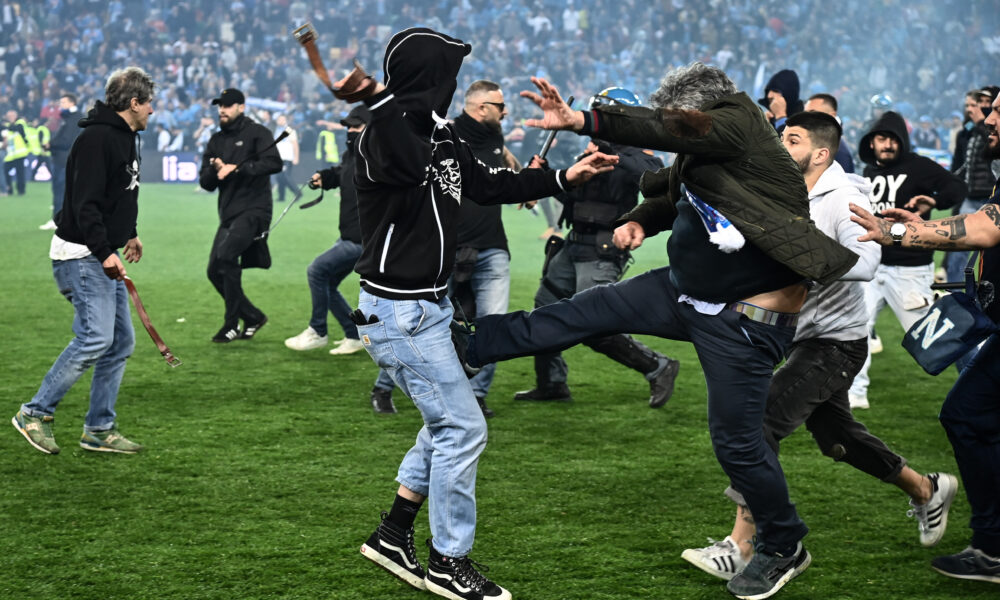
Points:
[[490, 285], [325, 273], [737, 357], [412, 342], [58, 188], [104, 339], [971, 418]]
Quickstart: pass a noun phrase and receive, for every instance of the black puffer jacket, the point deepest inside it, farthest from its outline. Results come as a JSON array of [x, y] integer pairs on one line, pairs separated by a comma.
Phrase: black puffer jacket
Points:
[[102, 184]]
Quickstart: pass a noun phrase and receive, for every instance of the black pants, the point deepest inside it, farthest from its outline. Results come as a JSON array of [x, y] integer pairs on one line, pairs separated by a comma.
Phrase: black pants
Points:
[[224, 271], [737, 356], [811, 388], [284, 180], [971, 418], [17, 165]]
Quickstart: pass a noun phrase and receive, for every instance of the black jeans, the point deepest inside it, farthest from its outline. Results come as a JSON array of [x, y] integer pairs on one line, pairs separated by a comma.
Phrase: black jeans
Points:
[[811, 388], [224, 271], [971, 418], [737, 356]]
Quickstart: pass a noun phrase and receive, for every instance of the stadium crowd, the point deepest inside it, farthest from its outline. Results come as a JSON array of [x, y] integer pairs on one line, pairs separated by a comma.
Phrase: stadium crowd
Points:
[[197, 48]]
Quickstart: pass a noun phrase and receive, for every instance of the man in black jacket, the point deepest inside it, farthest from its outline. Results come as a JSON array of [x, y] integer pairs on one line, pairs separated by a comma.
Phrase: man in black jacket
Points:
[[329, 269], [239, 161], [98, 218], [589, 258], [900, 179], [60, 145], [413, 175]]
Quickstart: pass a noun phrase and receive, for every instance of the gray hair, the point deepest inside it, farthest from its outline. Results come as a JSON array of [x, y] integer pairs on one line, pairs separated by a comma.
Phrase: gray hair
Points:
[[691, 87], [125, 84]]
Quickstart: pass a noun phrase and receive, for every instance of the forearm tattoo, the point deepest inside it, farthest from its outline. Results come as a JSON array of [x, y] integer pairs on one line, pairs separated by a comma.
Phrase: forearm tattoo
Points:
[[946, 234]]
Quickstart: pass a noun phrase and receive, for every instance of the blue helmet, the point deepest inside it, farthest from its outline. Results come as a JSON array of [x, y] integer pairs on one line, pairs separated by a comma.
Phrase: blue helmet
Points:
[[881, 101], [615, 95]]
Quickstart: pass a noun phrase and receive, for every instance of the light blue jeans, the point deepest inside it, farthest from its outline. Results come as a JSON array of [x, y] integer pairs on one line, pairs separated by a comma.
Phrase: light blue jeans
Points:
[[490, 284], [104, 339], [411, 341], [491, 288]]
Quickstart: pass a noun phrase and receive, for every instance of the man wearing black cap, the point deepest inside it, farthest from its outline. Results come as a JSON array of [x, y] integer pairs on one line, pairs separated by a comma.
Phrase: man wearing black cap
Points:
[[239, 160], [330, 268]]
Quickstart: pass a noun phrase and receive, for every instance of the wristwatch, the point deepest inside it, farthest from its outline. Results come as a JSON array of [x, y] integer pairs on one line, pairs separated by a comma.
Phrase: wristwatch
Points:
[[897, 231]]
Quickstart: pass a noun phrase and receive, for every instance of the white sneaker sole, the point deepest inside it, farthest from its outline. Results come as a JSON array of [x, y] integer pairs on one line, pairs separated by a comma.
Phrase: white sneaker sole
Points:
[[781, 582], [444, 593], [376, 557], [13, 421]]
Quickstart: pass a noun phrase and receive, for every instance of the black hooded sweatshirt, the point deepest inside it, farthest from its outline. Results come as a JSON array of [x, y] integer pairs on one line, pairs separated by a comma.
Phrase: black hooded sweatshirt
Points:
[[413, 172], [102, 184], [242, 143], [894, 184], [786, 82]]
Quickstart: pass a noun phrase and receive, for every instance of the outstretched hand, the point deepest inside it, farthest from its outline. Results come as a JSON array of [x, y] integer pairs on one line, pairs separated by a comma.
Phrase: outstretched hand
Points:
[[558, 114], [590, 165], [878, 228]]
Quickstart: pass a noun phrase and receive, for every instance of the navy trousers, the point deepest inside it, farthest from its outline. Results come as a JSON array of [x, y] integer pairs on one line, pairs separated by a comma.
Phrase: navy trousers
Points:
[[737, 356], [971, 417]]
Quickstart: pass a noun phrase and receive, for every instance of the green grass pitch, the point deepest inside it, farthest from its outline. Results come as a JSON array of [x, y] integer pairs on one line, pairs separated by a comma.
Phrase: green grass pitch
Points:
[[266, 468]]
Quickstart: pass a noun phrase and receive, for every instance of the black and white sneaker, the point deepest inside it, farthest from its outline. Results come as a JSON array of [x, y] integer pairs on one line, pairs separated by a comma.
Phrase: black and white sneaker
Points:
[[392, 549], [459, 579], [932, 518], [251, 328], [227, 334]]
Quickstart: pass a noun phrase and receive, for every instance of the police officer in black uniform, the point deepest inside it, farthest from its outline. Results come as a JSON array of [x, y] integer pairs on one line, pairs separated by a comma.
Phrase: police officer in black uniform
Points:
[[588, 258]]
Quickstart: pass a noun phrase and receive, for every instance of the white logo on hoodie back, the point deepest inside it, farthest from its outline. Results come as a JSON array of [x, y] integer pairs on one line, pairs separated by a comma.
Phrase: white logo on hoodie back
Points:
[[449, 178], [133, 171]]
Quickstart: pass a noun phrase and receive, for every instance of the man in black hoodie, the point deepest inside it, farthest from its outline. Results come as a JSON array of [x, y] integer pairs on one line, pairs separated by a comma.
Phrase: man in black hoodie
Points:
[[239, 161], [329, 269], [900, 179], [781, 98], [98, 218], [413, 174]]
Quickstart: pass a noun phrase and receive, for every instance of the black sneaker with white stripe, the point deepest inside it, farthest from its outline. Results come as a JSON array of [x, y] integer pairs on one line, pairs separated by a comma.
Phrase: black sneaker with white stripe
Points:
[[391, 548], [227, 334], [250, 328], [459, 579]]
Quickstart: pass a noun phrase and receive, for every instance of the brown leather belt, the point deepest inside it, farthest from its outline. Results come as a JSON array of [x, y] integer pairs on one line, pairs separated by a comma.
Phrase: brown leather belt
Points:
[[172, 360]]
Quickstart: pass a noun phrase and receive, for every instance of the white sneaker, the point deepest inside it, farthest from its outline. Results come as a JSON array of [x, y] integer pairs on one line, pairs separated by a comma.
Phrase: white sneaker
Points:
[[875, 344], [349, 346], [858, 401], [932, 518], [49, 225], [307, 340], [722, 559]]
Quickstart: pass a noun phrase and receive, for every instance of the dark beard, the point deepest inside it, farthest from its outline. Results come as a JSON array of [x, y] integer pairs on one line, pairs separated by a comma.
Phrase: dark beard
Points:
[[803, 165]]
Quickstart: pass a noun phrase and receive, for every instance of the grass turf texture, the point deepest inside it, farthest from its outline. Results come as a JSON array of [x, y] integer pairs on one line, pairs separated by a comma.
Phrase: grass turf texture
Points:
[[266, 468]]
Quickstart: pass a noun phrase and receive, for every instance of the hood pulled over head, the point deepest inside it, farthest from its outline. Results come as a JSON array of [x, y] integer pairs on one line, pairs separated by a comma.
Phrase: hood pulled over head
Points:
[[892, 123], [421, 70]]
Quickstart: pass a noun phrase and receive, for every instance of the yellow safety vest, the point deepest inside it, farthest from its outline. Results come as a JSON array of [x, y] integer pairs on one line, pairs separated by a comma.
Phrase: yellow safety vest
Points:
[[17, 146], [34, 146], [44, 137], [326, 147]]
